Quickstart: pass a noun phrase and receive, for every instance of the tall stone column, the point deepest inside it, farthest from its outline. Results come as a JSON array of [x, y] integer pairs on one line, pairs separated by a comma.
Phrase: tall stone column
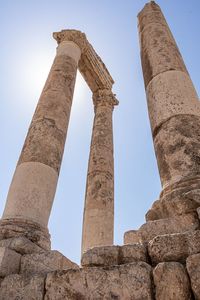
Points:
[[33, 187], [174, 113], [98, 220]]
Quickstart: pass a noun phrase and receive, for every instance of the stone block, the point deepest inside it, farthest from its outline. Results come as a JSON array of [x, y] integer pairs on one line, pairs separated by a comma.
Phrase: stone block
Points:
[[174, 247], [21, 245], [193, 268], [132, 237], [20, 287], [174, 206], [130, 281], [171, 282], [177, 224], [101, 256], [11, 228], [132, 253], [9, 262], [45, 262]]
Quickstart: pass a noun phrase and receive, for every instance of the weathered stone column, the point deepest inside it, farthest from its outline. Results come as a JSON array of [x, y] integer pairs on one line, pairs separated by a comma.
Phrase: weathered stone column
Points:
[[174, 113], [33, 187], [98, 220]]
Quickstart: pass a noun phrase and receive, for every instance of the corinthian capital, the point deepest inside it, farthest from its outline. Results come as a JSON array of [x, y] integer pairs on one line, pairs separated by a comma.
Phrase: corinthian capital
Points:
[[90, 65], [72, 35], [104, 97]]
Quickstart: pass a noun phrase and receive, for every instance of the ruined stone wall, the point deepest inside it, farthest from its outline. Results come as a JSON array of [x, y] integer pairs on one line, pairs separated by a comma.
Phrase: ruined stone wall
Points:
[[167, 267]]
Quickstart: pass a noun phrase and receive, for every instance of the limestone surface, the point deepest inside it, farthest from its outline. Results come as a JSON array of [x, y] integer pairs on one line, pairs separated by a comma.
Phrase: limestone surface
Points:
[[174, 247], [130, 281], [21, 287], [98, 220], [101, 256], [45, 262], [193, 268], [159, 50], [114, 255], [21, 245], [9, 261], [171, 282]]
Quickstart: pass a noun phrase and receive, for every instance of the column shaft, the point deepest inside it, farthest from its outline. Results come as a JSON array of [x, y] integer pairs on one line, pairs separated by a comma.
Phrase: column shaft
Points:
[[33, 187], [98, 220], [174, 109]]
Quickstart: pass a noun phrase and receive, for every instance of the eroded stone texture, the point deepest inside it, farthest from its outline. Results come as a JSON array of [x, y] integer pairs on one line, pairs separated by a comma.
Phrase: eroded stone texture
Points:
[[33, 187], [174, 247], [21, 287], [177, 149], [9, 261], [151, 229], [170, 206], [193, 268], [131, 237], [45, 262], [131, 253], [21, 245], [23, 228], [171, 282], [174, 113], [114, 255], [159, 50], [101, 256], [98, 219], [46, 137], [178, 224], [130, 281]]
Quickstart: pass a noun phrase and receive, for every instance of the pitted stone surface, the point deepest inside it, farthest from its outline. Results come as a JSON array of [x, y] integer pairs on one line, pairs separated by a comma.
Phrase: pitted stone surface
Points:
[[159, 50], [174, 247], [177, 224], [45, 262], [131, 253], [177, 149], [11, 228], [164, 208], [193, 268], [151, 229], [171, 282], [114, 255], [130, 281], [98, 219], [9, 261], [21, 245], [46, 137], [169, 94], [21, 287], [131, 237], [101, 256]]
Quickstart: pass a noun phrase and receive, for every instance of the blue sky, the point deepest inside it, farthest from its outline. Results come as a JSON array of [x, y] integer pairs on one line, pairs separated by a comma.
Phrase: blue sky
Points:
[[26, 54]]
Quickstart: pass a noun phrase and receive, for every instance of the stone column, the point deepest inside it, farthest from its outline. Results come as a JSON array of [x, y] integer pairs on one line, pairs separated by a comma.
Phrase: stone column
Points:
[[98, 220], [174, 113], [33, 187]]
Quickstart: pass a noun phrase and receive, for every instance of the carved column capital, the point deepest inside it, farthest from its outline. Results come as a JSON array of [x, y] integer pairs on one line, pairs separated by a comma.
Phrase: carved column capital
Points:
[[75, 36], [104, 97]]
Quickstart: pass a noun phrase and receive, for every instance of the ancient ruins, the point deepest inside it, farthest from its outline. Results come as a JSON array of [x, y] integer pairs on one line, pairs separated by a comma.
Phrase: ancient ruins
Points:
[[160, 260]]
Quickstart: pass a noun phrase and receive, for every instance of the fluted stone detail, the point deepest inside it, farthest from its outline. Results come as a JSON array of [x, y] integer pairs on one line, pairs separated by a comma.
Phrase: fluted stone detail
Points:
[[98, 222]]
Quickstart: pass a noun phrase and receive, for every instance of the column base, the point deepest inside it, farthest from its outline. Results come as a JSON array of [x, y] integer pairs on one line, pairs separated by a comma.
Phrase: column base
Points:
[[180, 198], [14, 227]]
